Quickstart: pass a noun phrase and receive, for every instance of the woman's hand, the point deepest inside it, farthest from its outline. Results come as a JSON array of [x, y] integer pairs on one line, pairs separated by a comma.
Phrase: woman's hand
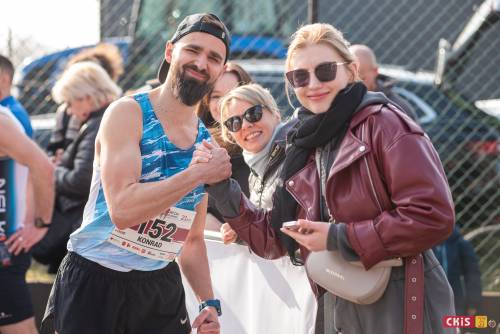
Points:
[[202, 153], [311, 235], [217, 162], [228, 234]]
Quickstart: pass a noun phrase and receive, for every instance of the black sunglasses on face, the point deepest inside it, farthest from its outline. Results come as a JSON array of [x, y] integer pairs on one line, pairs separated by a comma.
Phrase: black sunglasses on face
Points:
[[252, 115], [324, 72]]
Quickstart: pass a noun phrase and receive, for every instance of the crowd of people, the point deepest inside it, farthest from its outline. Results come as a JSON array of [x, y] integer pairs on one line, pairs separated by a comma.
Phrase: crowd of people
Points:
[[208, 148]]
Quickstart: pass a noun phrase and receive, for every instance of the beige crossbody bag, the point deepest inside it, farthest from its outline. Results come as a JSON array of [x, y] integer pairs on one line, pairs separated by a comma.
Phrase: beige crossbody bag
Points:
[[348, 280]]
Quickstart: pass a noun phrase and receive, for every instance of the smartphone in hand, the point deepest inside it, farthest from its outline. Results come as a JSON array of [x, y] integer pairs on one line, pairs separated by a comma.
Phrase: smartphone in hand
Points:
[[292, 225]]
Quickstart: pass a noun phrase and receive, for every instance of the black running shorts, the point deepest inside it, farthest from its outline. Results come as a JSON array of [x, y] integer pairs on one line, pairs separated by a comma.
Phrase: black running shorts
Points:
[[88, 298], [15, 298]]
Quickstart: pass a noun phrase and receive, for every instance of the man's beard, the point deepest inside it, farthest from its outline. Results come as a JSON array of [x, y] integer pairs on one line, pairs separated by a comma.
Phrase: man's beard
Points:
[[189, 90]]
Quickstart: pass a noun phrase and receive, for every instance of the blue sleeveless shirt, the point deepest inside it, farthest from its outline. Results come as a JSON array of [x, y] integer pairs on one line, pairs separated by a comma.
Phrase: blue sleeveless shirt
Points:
[[160, 160], [13, 180]]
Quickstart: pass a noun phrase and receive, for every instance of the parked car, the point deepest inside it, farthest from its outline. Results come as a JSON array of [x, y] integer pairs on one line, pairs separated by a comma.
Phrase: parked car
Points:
[[34, 81]]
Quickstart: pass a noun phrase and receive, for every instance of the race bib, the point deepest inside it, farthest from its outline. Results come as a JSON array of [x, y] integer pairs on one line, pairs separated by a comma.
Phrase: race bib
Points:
[[160, 238]]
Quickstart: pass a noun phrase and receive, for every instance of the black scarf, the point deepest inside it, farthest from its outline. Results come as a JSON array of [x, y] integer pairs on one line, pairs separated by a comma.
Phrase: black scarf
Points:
[[312, 131]]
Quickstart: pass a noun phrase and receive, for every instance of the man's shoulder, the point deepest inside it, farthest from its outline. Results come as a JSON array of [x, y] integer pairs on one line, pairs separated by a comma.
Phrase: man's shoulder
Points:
[[123, 108], [127, 101], [121, 117], [8, 113], [15, 106]]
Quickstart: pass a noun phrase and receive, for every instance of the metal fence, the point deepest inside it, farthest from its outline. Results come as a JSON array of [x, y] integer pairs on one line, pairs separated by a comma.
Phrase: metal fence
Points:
[[443, 55]]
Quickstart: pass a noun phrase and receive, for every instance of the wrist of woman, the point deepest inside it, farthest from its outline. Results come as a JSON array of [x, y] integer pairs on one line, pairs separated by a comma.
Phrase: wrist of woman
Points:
[[332, 238]]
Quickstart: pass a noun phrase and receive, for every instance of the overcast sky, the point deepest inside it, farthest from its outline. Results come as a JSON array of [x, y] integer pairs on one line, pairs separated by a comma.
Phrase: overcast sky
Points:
[[53, 24]]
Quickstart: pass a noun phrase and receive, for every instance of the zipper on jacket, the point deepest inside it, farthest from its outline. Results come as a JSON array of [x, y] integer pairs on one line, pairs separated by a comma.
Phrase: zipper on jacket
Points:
[[277, 152], [322, 183], [261, 191], [369, 173], [271, 165]]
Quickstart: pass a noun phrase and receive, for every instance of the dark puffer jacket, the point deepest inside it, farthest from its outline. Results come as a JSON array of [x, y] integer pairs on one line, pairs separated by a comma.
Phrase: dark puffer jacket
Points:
[[74, 173]]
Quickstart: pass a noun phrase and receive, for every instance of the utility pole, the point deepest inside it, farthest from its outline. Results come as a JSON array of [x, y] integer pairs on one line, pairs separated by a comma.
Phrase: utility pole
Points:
[[312, 11]]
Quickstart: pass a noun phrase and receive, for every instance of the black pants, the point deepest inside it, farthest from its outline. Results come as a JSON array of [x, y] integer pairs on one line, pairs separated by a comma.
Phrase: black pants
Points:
[[89, 298], [15, 298]]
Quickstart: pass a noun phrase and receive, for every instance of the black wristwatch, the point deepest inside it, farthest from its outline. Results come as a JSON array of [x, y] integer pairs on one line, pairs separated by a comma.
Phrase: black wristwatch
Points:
[[211, 302], [39, 223]]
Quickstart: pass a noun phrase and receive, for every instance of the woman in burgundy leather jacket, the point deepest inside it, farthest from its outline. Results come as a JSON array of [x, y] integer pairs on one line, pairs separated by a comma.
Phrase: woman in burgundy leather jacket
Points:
[[357, 162]]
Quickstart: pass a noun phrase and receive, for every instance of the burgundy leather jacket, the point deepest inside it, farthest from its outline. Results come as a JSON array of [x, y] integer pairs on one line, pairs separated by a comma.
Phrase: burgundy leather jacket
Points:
[[388, 187]]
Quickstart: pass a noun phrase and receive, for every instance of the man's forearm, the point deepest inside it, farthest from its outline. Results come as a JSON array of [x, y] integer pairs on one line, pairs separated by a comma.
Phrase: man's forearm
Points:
[[194, 265], [30, 202], [142, 201], [44, 192]]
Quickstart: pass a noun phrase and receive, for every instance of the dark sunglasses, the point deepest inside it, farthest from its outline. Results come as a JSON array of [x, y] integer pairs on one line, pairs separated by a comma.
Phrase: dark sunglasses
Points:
[[252, 115], [324, 72]]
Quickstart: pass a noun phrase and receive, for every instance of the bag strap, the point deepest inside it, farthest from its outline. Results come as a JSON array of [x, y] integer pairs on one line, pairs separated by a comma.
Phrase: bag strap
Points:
[[414, 295]]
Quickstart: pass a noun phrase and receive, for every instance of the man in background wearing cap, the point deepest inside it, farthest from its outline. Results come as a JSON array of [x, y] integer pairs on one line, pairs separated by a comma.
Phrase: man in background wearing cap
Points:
[[147, 201]]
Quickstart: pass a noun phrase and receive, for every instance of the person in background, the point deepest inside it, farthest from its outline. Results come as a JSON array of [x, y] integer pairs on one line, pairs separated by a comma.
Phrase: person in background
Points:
[[21, 225], [461, 265], [376, 82], [87, 90], [361, 178], [9, 101], [208, 111], [106, 55]]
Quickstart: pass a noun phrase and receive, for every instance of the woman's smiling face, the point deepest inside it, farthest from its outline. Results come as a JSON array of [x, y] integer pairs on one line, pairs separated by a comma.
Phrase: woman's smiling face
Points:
[[252, 137], [317, 96]]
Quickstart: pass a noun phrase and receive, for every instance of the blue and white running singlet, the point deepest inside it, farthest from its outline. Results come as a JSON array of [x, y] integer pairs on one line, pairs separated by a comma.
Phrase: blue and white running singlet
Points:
[[13, 179], [160, 160]]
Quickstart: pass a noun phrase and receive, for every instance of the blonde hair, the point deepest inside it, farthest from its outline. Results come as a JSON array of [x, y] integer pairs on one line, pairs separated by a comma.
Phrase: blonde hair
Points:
[[319, 33], [86, 79], [254, 94]]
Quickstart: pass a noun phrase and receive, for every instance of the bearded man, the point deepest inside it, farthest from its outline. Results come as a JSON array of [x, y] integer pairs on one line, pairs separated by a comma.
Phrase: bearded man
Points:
[[147, 203]]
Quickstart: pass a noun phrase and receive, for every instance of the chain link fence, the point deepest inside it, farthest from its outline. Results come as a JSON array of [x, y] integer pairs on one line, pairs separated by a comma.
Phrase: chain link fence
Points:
[[442, 55]]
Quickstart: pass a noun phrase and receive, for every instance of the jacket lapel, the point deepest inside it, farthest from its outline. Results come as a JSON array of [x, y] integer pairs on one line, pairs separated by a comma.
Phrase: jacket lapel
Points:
[[303, 186]]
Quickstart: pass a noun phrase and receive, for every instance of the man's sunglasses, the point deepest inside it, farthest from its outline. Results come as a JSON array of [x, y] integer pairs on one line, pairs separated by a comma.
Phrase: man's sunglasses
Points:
[[252, 115], [324, 72]]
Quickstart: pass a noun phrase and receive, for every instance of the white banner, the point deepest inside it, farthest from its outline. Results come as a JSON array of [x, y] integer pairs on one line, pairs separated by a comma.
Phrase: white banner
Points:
[[257, 296]]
